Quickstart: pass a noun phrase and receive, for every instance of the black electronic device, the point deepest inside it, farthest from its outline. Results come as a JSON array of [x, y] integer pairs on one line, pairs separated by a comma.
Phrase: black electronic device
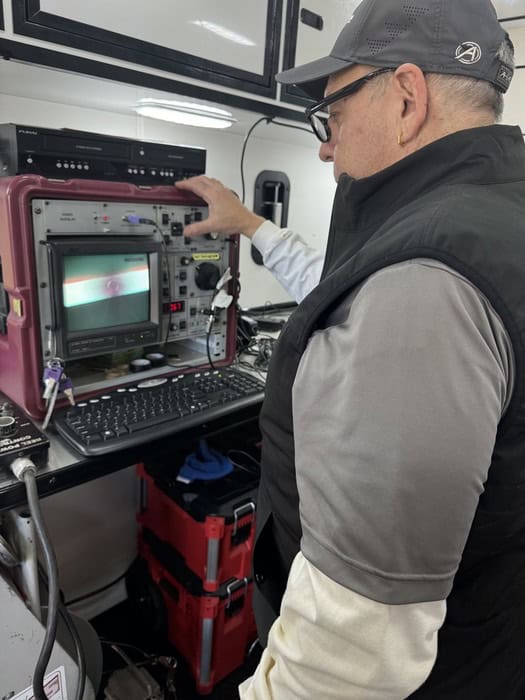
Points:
[[69, 154], [107, 294], [155, 408], [19, 436]]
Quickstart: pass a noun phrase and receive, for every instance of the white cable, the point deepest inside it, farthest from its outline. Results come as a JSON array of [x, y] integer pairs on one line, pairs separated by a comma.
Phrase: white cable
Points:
[[51, 406]]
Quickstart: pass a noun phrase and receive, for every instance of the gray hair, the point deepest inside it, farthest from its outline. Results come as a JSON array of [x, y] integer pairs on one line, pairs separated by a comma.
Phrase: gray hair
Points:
[[478, 95]]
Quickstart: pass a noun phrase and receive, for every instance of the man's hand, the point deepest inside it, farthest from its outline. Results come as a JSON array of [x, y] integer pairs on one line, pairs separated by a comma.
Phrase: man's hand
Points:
[[226, 213]]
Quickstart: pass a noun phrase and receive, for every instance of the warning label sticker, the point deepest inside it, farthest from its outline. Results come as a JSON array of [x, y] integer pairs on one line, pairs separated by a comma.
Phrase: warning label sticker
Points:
[[54, 687], [199, 257]]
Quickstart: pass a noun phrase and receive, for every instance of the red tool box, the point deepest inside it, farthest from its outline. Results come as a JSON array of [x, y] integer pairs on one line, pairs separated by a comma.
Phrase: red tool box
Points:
[[212, 631], [211, 525]]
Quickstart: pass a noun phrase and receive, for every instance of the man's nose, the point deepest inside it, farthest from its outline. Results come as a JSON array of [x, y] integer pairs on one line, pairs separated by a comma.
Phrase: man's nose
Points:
[[326, 152]]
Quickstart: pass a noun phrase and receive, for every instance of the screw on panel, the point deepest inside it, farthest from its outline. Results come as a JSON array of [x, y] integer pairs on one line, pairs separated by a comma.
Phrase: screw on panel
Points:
[[38, 211], [43, 285], [48, 230]]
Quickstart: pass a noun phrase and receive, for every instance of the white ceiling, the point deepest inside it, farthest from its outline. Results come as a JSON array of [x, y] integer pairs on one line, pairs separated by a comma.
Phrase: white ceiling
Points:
[[40, 83]]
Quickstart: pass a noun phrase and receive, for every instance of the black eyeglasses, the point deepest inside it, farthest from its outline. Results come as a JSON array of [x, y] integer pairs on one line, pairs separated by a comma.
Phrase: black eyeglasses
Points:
[[319, 124]]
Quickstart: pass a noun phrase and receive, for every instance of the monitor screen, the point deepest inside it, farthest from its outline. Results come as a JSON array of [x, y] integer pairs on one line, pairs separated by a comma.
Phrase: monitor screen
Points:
[[103, 291]]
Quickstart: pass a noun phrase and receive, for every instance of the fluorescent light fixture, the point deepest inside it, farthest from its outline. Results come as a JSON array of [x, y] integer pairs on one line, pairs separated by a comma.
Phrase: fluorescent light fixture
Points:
[[223, 32], [185, 113]]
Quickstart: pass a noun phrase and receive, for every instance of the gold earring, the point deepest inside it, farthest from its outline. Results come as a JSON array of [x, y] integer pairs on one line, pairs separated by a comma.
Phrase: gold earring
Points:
[[400, 141]]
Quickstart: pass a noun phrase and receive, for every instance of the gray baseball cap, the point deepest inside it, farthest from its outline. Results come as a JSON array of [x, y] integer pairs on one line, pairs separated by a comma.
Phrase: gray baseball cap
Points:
[[458, 37]]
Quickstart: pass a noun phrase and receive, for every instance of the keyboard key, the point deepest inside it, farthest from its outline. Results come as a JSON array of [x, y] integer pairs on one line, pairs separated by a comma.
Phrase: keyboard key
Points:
[[130, 416]]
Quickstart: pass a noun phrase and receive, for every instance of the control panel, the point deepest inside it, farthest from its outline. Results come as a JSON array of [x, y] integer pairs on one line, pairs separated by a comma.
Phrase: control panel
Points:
[[185, 275], [190, 267], [100, 281], [19, 436]]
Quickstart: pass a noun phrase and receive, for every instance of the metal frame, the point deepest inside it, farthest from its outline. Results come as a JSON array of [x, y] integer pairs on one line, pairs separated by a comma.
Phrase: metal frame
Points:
[[37, 55], [288, 92], [30, 20]]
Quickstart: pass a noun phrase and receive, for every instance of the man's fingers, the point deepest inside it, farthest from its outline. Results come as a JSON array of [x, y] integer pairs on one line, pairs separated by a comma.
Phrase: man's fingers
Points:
[[200, 185], [197, 229]]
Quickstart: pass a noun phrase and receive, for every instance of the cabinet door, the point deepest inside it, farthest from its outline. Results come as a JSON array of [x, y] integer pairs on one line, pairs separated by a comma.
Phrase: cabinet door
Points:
[[232, 42], [509, 9], [312, 26]]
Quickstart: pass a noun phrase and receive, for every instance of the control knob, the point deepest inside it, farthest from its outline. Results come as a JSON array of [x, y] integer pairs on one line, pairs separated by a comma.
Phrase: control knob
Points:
[[185, 261], [6, 409], [7, 426], [207, 275]]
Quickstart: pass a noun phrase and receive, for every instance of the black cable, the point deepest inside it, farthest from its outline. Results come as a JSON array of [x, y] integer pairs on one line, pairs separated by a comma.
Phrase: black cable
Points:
[[79, 649], [268, 120], [252, 469], [251, 368], [99, 590], [81, 658], [110, 643], [51, 568], [262, 119], [167, 261], [208, 351], [269, 306], [291, 126]]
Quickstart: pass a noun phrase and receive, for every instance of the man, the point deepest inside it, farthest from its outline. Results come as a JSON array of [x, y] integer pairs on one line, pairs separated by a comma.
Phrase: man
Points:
[[390, 557]]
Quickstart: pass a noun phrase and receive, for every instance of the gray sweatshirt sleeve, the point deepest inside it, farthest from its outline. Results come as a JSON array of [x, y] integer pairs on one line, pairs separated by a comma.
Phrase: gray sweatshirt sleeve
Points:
[[396, 409]]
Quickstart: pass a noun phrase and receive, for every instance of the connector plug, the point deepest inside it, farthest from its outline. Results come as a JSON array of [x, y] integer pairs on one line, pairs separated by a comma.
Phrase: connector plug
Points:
[[21, 466]]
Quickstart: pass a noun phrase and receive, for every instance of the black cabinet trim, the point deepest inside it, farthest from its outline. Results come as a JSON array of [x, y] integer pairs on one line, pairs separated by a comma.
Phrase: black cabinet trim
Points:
[[30, 20], [289, 93], [511, 19], [2, 21], [75, 64]]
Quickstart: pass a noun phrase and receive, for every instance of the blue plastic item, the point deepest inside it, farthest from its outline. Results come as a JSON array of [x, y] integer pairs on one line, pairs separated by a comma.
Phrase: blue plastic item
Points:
[[205, 464]]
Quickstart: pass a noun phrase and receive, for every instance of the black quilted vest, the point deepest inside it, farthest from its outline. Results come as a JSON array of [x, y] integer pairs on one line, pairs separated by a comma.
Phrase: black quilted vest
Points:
[[460, 200]]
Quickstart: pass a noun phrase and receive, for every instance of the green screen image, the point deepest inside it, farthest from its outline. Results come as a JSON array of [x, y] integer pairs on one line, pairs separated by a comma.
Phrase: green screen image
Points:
[[102, 291]]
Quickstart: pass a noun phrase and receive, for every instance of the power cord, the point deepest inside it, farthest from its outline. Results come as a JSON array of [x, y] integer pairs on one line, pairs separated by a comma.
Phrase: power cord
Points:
[[208, 349], [79, 649], [81, 659], [24, 470], [254, 467], [268, 120], [246, 139]]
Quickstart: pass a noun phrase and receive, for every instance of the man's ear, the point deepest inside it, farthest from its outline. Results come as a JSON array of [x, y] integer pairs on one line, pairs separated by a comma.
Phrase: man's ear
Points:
[[411, 91]]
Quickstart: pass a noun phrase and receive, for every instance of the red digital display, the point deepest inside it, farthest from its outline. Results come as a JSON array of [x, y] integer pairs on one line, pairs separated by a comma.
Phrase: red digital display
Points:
[[176, 306]]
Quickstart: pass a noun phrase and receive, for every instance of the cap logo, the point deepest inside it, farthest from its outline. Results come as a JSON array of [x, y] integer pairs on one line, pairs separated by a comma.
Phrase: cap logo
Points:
[[468, 52]]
